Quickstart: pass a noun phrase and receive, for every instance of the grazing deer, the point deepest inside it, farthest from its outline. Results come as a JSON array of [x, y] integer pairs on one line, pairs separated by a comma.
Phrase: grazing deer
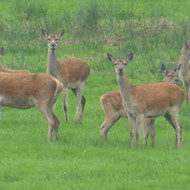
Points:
[[148, 101], [9, 70], [184, 73], [73, 73], [112, 106], [26, 90]]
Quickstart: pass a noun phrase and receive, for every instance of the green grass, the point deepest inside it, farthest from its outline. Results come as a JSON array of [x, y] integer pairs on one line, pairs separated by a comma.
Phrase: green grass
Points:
[[155, 31]]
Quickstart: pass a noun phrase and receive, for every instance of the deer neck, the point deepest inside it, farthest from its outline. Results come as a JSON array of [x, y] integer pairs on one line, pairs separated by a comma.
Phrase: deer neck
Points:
[[52, 64], [184, 59], [125, 90]]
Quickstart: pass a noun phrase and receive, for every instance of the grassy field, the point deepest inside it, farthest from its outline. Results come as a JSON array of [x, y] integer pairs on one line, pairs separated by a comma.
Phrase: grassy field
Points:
[[155, 31]]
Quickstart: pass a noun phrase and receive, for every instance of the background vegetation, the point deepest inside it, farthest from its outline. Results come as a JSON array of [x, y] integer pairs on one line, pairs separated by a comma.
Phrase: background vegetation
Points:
[[155, 31]]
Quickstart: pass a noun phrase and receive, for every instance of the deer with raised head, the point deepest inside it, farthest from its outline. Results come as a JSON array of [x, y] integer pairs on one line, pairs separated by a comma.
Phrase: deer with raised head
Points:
[[26, 90], [184, 73], [73, 73], [9, 70], [171, 76], [148, 101], [111, 103]]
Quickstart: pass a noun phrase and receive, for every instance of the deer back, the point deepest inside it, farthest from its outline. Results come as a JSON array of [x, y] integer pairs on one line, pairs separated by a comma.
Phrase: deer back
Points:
[[72, 70], [20, 90], [14, 71], [157, 96]]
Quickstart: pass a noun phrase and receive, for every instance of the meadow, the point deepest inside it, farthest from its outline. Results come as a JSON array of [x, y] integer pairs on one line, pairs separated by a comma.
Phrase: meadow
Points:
[[155, 31]]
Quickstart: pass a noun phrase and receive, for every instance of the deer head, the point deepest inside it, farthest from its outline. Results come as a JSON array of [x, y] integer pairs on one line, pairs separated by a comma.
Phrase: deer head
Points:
[[120, 64], [171, 76], [52, 38]]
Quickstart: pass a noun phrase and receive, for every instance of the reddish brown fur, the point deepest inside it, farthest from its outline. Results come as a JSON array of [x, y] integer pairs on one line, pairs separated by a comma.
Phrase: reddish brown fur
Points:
[[72, 71], [111, 103], [25, 90], [156, 96], [148, 101]]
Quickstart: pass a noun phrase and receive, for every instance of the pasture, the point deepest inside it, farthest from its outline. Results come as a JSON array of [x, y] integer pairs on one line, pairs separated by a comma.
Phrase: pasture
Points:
[[155, 31]]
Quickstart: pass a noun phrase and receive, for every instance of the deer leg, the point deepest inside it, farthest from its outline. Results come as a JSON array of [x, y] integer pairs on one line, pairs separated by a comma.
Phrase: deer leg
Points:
[[187, 91], [65, 97], [106, 126], [79, 91], [152, 131], [52, 120], [146, 130], [132, 122], [56, 125], [83, 101], [79, 105], [140, 123], [172, 118]]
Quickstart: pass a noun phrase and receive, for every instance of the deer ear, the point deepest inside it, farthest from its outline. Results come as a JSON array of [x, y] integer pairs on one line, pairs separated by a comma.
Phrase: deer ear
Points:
[[60, 33], [164, 70], [129, 57], [1, 51], [178, 68], [111, 58], [44, 33]]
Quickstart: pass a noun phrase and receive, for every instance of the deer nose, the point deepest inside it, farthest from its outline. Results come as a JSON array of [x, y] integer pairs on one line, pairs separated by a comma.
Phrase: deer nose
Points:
[[176, 81], [53, 44], [119, 70]]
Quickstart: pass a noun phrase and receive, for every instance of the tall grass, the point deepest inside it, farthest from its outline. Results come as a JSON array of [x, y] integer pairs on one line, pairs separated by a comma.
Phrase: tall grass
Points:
[[155, 31]]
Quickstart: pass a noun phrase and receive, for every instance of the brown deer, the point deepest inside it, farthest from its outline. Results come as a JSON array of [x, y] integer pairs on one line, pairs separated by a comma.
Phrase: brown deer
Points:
[[148, 101], [9, 70], [26, 90], [73, 73], [184, 73], [112, 106]]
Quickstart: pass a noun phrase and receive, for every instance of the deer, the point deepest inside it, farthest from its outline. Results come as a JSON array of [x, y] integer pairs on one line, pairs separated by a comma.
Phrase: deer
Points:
[[73, 73], [184, 73], [9, 70], [25, 90], [148, 101], [111, 103], [171, 76]]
